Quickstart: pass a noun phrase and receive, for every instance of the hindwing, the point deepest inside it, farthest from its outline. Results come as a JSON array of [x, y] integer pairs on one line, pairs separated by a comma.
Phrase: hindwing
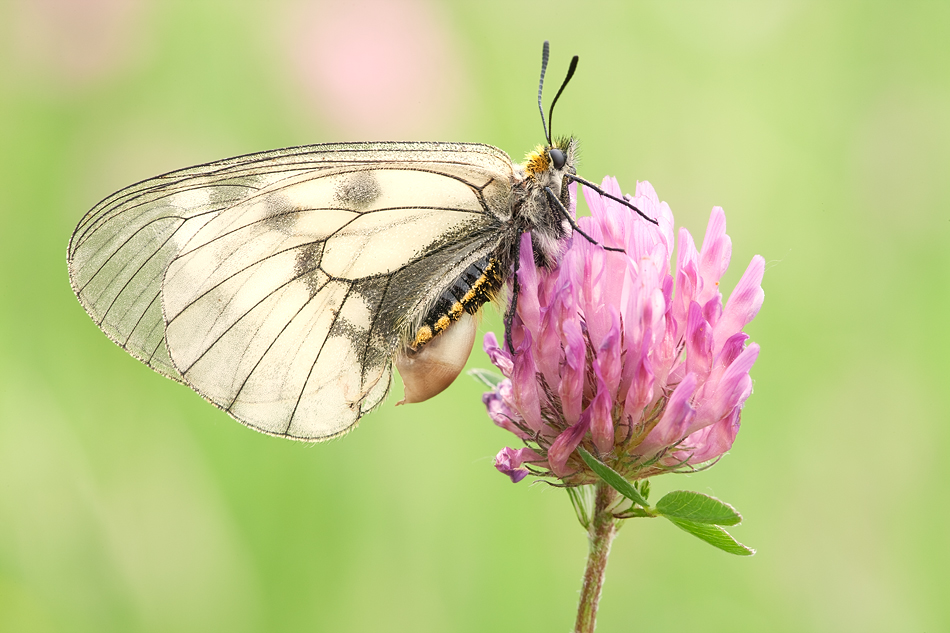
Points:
[[279, 285]]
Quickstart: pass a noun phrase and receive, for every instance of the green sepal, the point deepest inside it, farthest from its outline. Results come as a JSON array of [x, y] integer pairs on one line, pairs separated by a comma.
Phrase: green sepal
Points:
[[697, 508], [582, 498], [487, 377], [614, 479], [714, 535]]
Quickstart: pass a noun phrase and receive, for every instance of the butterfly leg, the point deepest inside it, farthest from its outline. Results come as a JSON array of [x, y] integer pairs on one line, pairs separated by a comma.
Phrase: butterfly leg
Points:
[[512, 305], [563, 211], [603, 193]]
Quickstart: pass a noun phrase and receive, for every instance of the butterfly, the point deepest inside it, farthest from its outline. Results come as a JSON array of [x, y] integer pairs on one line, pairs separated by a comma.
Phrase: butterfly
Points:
[[282, 286]]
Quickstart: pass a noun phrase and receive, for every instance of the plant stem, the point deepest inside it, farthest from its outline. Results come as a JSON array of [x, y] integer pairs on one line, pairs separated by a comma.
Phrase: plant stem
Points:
[[603, 528]]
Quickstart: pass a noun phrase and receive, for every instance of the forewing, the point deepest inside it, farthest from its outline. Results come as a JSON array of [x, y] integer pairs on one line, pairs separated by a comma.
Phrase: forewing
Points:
[[290, 280]]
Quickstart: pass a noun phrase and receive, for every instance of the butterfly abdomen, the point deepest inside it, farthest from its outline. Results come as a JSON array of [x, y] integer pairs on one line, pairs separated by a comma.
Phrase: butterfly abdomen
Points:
[[476, 286]]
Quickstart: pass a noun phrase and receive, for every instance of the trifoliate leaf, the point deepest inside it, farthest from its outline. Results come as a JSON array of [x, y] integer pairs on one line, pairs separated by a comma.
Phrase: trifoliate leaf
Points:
[[614, 479], [714, 535], [698, 508]]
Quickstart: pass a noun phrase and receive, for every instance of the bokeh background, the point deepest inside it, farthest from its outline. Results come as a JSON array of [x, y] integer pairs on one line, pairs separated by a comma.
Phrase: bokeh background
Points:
[[127, 503]]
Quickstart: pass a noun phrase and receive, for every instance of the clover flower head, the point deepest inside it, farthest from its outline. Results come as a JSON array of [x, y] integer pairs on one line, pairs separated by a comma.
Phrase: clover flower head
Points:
[[644, 367]]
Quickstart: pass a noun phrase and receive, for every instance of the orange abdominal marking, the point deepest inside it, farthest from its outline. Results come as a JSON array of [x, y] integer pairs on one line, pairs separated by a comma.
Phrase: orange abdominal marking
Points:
[[423, 336]]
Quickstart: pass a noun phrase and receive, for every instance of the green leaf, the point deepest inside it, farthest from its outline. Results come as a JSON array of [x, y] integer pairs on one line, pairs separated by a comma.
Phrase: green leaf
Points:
[[634, 512], [486, 376], [714, 535], [698, 508], [614, 479]]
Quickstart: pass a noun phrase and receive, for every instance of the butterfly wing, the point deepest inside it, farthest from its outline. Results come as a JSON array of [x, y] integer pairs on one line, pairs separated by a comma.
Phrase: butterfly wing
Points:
[[279, 285]]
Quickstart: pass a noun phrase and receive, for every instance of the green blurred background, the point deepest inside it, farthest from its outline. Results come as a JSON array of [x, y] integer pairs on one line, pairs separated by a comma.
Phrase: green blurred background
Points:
[[127, 503]]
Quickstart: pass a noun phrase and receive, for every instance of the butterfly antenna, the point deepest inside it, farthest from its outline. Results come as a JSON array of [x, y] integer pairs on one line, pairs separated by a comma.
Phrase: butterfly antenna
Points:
[[544, 67], [570, 73]]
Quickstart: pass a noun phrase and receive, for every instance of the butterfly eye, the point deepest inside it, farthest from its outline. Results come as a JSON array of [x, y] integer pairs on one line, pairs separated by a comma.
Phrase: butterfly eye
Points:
[[557, 158]]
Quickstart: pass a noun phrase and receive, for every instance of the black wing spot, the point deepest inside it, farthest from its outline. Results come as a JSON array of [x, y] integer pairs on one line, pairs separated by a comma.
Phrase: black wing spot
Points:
[[308, 262], [358, 190], [380, 342]]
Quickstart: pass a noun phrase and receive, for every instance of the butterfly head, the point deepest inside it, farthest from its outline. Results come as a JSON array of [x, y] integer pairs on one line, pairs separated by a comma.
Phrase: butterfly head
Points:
[[549, 164]]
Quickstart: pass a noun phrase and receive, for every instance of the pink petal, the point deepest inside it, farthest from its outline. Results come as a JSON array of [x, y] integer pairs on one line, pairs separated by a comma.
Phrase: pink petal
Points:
[[565, 444], [499, 357], [744, 302], [640, 393], [573, 371], [731, 349], [715, 255], [643, 236], [548, 346], [509, 461], [525, 389], [608, 362], [595, 202], [732, 389], [499, 411], [712, 441], [687, 279], [602, 423], [596, 294], [529, 306], [698, 343], [611, 217], [712, 310], [672, 426]]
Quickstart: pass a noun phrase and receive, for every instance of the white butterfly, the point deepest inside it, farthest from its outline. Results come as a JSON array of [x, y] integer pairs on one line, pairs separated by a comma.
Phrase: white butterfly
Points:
[[281, 286]]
